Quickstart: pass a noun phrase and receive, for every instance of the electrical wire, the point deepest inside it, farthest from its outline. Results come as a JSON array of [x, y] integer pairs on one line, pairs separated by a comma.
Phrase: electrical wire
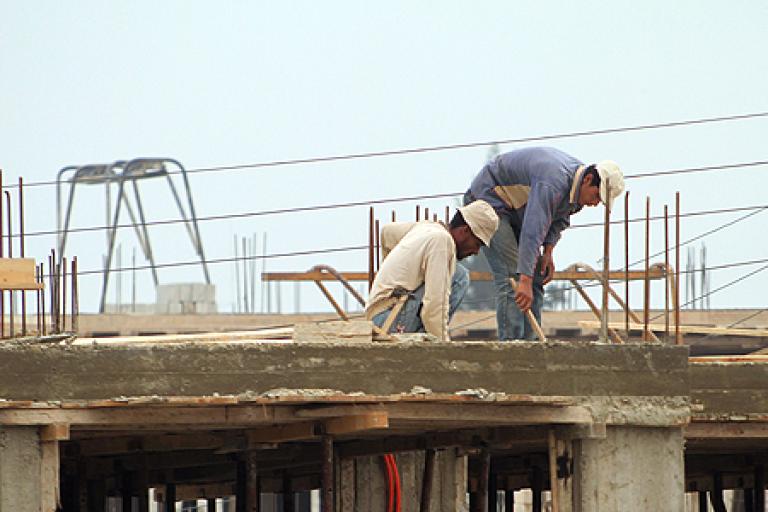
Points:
[[447, 147], [371, 202]]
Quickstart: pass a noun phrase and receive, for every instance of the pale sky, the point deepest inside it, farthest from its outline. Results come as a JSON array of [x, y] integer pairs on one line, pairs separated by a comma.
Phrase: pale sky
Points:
[[229, 83]]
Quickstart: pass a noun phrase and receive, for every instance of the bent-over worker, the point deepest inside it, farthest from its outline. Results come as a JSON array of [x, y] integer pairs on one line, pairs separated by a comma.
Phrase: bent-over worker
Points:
[[420, 260], [534, 191]]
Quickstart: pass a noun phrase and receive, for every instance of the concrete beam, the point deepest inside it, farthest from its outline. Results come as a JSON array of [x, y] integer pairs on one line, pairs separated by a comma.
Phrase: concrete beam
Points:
[[567, 369], [726, 389]]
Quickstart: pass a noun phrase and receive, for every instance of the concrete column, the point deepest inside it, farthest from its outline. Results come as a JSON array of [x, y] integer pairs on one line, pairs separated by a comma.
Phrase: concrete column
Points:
[[632, 469], [361, 485], [21, 470]]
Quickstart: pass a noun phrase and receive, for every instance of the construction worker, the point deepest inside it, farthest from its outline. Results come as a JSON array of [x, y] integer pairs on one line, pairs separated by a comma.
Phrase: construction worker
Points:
[[534, 191], [420, 263]]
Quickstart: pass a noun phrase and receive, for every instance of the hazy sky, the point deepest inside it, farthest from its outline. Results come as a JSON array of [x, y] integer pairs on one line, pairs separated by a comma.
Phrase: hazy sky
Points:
[[227, 83]]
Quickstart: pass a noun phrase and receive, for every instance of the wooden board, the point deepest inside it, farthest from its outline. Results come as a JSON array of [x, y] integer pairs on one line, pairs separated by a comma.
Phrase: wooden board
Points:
[[560, 275], [18, 274], [353, 330], [685, 329]]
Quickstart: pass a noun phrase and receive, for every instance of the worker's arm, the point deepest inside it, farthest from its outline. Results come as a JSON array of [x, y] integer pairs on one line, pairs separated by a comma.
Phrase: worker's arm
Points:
[[542, 201], [439, 263]]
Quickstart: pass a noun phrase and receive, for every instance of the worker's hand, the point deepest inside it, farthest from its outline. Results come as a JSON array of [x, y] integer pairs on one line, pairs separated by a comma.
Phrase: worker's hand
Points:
[[524, 293], [547, 264]]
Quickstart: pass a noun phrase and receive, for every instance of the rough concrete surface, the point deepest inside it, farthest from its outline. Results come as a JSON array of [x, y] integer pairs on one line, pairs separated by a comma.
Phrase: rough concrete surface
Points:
[[20, 456], [732, 388], [82, 372], [633, 469]]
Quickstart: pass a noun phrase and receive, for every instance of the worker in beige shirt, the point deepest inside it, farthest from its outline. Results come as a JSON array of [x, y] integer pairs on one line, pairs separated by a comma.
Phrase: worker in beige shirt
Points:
[[420, 260]]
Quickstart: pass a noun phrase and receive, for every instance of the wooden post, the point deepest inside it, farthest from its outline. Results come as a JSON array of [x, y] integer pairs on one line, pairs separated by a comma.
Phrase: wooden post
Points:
[[170, 497], [760, 488], [326, 499], [509, 500], [426, 482], [537, 483], [716, 496], [483, 480], [553, 482]]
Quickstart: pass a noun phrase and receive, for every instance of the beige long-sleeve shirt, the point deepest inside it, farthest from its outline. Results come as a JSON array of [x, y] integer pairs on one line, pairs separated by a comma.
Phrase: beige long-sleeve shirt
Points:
[[416, 253]]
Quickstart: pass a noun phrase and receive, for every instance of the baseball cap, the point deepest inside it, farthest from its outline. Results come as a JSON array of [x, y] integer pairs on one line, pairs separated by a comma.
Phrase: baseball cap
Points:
[[611, 181], [481, 219]]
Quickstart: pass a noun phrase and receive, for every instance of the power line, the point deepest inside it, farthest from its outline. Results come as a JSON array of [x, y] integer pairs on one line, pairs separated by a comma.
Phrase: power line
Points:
[[448, 147], [371, 202]]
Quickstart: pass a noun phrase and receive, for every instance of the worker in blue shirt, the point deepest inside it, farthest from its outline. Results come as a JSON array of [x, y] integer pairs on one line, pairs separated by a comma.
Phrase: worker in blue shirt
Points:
[[534, 191]]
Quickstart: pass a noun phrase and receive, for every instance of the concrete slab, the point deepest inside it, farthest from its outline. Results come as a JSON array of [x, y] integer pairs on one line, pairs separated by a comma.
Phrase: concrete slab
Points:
[[36, 372]]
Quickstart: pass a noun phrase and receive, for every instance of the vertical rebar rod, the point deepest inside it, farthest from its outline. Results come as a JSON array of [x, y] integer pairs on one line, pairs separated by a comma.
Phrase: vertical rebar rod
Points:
[[370, 248], [37, 296], [626, 263], [447, 214], [378, 245], [21, 254], [51, 291], [59, 326], [8, 217], [2, 293], [64, 294], [418, 211], [237, 278], [75, 299], [246, 302], [426, 213], [666, 272], [606, 270], [327, 475], [678, 338], [393, 216], [646, 280], [42, 299]]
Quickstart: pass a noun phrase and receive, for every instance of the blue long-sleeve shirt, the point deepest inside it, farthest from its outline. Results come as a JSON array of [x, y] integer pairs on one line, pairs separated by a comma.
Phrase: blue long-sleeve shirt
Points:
[[535, 189]]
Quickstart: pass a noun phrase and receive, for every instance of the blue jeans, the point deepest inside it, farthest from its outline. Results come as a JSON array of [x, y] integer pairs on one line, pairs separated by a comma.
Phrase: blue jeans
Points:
[[502, 258], [409, 318]]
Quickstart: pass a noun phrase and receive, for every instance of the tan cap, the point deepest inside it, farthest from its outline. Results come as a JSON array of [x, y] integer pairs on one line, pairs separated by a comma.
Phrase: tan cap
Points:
[[611, 181], [481, 219]]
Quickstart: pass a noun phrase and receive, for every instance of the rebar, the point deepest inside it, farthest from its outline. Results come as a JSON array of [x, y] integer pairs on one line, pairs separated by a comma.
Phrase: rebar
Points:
[[606, 270], [370, 248], [626, 262], [21, 253], [666, 271], [11, 311], [678, 337], [646, 279], [75, 298]]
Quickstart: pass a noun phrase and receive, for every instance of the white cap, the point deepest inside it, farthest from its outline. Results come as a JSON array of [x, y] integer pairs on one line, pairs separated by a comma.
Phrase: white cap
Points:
[[611, 181], [481, 219]]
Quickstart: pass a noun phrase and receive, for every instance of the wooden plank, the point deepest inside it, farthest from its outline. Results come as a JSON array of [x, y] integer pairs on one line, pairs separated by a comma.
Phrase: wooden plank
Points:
[[189, 492], [748, 358], [151, 443], [312, 332], [721, 430], [18, 274], [561, 275], [475, 413], [282, 433], [686, 329], [50, 494], [213, 337], [55, 432], [356, 422]]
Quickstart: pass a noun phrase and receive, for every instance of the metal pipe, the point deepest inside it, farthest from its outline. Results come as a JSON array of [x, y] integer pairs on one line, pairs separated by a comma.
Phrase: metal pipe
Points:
[[606, 270], [678, 337], [21, 253], [626, 262], [370, 248], [646, 279], [666, 271], [327, 475], [426, 481]]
